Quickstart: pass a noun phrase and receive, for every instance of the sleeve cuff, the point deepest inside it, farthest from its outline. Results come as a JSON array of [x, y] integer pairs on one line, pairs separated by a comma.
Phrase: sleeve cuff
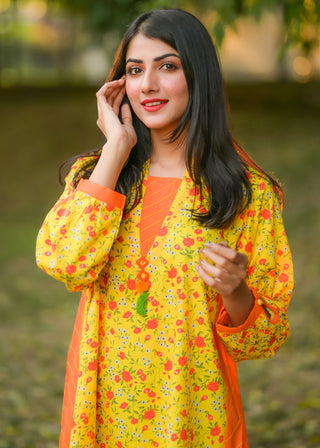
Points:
[[260, 306], [101, 193]]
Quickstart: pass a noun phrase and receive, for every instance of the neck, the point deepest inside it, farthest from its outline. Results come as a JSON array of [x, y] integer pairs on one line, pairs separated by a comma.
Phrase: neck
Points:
[[167, 159]]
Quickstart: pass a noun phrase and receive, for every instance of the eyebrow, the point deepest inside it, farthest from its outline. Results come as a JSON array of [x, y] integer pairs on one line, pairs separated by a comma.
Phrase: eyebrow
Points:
[[158, 58]]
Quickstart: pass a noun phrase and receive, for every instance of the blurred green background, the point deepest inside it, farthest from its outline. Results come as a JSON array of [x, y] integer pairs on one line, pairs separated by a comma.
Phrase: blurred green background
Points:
[[48, 113]]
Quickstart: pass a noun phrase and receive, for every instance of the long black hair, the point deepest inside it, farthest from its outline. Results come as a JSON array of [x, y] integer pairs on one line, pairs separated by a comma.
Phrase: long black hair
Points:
[[214, 160]]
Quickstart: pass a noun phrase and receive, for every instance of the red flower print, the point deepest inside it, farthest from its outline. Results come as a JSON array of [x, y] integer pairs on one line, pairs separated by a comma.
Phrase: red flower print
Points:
[[184, 268], [262, 186], [248, 247], [123, 405], [200, 342], [88, 209], [145, 427], [262, 261], [71, 269], [283, 277], [183, 360], [126, 376], [122, 355], [168, 366], [183, 434], [184, 413], [119, 445], [213, 385], [110, 395], [174, 437], [149, 415], [250, 270], [134, 421], [265, 214], [112, 305], [163, 231], [152, 324], [200, 320], [61, 212], [188, 242], [172, 273], [127, 314], [194, 191], [131, 284], [178, 387], [93, 365], [215, 431], [272, 340], [128, 263], [137, 330], [121, 239]]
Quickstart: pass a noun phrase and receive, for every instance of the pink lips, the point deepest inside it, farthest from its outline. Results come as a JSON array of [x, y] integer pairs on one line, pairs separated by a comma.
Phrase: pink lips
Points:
[[153, 104]]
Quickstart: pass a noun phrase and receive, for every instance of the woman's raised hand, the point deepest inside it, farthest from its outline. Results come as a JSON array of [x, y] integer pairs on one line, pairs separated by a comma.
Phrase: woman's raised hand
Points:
[[121, 135], [109, 99]]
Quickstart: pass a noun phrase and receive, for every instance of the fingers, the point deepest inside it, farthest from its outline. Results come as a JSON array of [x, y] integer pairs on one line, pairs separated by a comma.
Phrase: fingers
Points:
[[111, 93], [109, 98], [223, 254], [222, 267], [126, 114]]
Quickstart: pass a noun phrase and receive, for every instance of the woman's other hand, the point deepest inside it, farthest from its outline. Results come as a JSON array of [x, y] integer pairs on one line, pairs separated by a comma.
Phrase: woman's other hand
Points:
[[225, 270]]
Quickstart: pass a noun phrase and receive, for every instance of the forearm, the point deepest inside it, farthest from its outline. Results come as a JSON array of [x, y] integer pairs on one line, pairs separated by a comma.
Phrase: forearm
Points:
[[109, 166], [239, 304]]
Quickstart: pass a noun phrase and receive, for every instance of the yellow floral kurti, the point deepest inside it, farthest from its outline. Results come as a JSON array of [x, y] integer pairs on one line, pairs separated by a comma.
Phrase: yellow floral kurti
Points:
[[166, 379]]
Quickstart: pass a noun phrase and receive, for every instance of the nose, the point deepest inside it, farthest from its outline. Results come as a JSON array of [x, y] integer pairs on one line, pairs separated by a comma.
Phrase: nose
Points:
[[149, 82]]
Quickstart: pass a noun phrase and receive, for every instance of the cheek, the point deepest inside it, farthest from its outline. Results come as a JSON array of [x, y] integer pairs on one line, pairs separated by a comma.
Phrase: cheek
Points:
[[179, 88]]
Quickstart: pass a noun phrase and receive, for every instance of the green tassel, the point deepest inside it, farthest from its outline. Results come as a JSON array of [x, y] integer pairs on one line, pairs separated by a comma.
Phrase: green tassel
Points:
[[142, 303]]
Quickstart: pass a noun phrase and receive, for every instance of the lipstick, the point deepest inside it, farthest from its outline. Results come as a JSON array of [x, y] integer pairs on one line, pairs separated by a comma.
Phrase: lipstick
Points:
[[153, 104]]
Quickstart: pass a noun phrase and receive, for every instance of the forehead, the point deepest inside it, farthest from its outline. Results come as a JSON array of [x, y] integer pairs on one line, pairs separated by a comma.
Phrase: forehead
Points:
[[144, 48]]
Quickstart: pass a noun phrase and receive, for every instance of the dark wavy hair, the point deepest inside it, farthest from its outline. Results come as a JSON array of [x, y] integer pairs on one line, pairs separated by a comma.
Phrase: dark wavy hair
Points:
[[213, 158]]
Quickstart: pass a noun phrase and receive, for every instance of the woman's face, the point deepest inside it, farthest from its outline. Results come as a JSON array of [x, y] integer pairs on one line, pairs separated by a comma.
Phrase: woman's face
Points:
[[155, 83]]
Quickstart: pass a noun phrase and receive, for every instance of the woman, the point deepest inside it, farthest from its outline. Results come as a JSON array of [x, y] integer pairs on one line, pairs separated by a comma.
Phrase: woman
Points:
[[175, 237]]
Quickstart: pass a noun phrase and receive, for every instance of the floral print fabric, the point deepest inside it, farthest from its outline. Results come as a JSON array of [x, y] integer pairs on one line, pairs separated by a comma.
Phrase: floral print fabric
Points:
[[167, 379]]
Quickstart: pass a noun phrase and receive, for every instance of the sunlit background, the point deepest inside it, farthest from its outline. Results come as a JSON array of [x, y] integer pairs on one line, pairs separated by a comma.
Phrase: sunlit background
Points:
[[46, 43]]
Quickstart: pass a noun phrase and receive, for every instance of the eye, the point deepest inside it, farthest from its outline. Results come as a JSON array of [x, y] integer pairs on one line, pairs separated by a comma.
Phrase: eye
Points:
[[168, 66], [134, 71]]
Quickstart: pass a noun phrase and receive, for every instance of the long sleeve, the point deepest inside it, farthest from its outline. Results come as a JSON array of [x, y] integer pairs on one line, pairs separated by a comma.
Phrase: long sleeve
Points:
[[75, 239], [270, 278]]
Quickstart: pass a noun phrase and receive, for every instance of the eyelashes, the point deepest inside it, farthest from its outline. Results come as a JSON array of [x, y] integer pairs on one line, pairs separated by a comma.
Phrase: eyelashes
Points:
[[167, 67]]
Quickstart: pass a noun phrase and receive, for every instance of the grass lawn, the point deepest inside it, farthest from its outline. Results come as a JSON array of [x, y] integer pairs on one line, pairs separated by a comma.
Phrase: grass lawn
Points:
[[279, 125]]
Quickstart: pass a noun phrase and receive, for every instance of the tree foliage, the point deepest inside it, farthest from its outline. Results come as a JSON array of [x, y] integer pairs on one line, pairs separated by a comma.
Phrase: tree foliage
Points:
[[301, 18]]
